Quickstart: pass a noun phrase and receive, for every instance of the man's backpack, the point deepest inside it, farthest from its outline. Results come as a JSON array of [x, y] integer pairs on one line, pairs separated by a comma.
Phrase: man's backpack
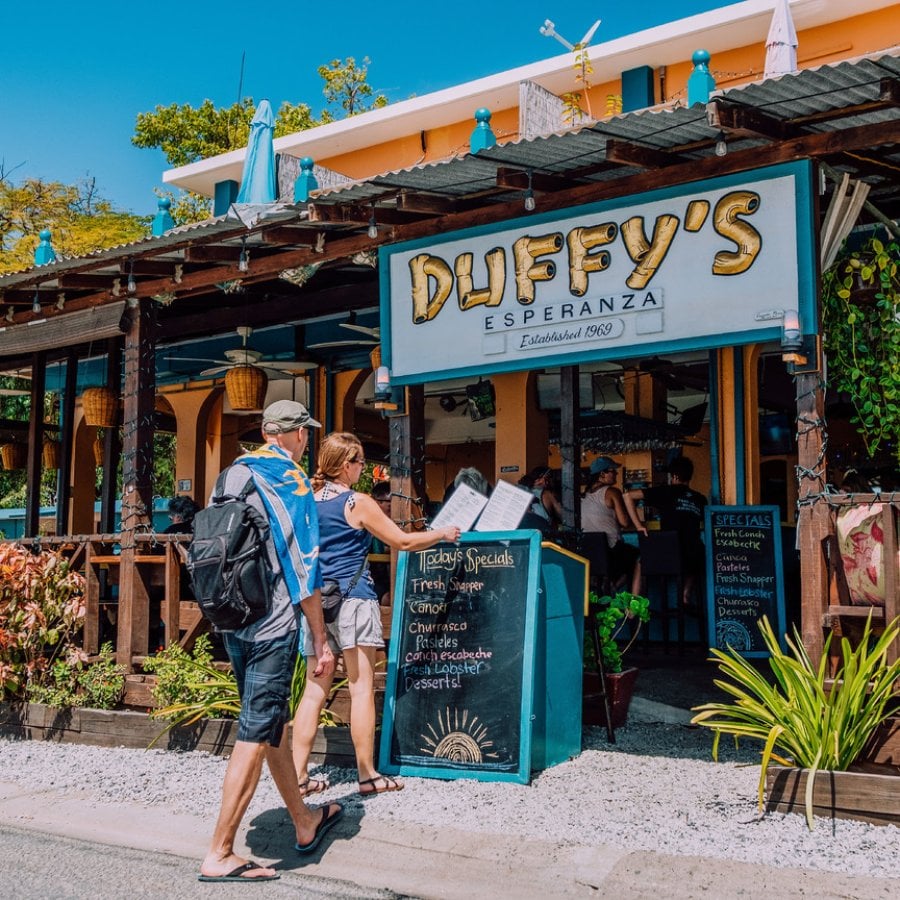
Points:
[[228, 561]]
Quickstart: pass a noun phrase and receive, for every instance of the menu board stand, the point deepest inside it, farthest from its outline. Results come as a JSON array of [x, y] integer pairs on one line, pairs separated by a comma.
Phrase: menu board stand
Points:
[[484, 662], [744, 576]]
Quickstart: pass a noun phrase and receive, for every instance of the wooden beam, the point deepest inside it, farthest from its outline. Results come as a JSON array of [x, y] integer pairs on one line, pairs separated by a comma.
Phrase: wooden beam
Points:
[[412, 201], [627, 154], [66, 440], [89, 280], [290, 234], [889, 91], [360, 214], [517, 179], [144, 266], [733, 117]]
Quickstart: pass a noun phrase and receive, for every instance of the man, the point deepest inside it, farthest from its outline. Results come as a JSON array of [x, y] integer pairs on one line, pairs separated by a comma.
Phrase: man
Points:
[[680, 509], [263, 654], [181, 513]]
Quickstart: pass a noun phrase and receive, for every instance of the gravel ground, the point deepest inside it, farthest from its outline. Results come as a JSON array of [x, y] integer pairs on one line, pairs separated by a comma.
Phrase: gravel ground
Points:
[[655, 789]]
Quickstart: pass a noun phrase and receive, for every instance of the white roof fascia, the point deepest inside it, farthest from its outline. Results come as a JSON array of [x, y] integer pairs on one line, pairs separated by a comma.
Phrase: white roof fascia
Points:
[[721, 29]]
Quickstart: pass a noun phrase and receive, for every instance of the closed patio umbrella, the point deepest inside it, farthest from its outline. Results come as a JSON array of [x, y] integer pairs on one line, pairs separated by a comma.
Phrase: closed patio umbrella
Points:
[[258, 179], [781, 44]]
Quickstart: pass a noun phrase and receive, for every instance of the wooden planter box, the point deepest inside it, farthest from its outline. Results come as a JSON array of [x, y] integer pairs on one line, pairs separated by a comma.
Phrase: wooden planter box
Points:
[[125, 728], [619, 688], [863, 796]]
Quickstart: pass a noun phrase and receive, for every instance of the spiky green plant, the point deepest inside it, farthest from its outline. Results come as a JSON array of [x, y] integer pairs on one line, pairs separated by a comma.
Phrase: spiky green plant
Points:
[[801, 721]]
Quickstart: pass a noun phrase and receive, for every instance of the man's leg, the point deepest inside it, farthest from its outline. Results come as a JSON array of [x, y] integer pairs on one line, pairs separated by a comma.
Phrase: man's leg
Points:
[[241, 778]]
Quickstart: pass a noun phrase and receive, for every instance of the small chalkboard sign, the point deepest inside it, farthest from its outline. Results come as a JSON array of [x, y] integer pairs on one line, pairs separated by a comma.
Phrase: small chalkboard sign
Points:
[[461, 659], [744, 576]]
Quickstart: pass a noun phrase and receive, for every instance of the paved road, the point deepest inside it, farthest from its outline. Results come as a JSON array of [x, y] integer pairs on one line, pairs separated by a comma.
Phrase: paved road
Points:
[[35, 866]]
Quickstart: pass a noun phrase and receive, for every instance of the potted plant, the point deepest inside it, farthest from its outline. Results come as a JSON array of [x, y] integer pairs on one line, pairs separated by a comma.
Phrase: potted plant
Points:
[[861, 324], [812, 727], [609, 616]]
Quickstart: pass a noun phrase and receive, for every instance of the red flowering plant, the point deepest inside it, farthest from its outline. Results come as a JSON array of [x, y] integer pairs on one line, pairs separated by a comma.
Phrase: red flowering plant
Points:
[[41, 609]]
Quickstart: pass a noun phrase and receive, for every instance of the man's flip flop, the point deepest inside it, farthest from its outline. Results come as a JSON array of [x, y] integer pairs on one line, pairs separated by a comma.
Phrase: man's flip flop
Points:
[[240, 874], [325, 823], [387, 784], [315, 784]]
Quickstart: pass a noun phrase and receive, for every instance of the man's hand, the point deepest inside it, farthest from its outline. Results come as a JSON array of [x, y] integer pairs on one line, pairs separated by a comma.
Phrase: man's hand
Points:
[[324, 656]]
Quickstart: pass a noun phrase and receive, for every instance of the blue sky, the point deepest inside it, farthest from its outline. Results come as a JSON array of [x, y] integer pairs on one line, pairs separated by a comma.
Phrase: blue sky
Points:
[[74, 75]]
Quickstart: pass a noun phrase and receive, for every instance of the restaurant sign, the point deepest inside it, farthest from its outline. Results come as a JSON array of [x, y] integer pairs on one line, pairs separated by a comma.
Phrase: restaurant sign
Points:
[[707, 264]]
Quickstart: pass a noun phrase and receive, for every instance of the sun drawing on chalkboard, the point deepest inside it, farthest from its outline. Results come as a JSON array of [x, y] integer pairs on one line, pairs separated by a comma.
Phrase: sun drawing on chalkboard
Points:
[[458, 737]]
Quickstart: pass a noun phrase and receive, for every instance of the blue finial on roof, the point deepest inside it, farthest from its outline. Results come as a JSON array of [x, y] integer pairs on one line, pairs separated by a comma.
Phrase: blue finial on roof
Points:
[[482, 136], [306, 181], [162, 221], [44, 252], [700, 83]]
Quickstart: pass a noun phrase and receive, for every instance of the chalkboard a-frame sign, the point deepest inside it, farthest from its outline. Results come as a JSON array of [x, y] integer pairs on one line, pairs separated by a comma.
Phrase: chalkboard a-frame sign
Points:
[[744, 576], [460, 678]]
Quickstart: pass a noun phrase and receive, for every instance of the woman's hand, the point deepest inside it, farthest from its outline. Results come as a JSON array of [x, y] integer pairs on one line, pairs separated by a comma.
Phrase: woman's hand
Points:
[[450, 533]]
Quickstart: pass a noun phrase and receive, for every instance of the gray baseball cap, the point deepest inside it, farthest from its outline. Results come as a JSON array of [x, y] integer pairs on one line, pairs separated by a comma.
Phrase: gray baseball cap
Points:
[[287, 415]]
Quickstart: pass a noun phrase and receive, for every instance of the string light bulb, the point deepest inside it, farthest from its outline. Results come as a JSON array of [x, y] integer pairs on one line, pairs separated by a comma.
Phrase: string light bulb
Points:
[[373, 225], [131, 285], [529, 195], [36, 304], [244, 258], [721, 145]]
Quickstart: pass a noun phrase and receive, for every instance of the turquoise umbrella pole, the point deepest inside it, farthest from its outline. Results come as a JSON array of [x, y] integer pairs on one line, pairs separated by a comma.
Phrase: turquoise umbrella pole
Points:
[[258, 179]]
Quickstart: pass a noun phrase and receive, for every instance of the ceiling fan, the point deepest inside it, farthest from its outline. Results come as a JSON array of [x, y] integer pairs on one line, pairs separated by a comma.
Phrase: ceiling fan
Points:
[[374, 335], [247, 356]]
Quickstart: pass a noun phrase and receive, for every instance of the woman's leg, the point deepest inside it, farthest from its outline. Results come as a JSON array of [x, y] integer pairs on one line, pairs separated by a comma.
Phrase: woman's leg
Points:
[[306, 719], [360, 665]]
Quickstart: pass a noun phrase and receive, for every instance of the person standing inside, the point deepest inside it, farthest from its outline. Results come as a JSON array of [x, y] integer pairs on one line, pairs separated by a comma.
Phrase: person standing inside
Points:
[[263, 654], [603, 510], [348, 520], [680, 509], [181, 515]]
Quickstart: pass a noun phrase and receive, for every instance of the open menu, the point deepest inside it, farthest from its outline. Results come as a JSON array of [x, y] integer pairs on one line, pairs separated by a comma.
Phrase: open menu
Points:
[[502, 511]]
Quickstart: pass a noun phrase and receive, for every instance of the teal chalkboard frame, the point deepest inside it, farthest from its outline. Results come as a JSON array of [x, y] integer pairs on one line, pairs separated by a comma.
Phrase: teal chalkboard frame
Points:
[[522, 774], [778, 626]]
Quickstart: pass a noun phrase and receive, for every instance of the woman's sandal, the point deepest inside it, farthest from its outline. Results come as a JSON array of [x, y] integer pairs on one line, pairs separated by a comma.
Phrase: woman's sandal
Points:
[[314, 784], [387, 784]]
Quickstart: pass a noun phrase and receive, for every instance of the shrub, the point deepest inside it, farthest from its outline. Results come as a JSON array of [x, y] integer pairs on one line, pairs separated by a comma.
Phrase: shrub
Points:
[[813, 726], [41, 608], [610, 614], [74, 681]]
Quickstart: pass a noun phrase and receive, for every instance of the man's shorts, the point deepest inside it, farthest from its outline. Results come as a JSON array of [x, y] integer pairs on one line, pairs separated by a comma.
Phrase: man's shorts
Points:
[[357, 625], [263, 670]]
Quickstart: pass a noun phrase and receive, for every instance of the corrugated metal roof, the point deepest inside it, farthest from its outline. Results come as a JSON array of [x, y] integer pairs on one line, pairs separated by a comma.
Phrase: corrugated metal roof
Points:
[[815, 91]]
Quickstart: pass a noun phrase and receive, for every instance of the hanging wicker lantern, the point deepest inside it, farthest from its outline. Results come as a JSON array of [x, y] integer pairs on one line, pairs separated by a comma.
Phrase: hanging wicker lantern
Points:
[[246, 387], [50, 454], [98, 451], [375, 357], [15, 456], [101, 406]]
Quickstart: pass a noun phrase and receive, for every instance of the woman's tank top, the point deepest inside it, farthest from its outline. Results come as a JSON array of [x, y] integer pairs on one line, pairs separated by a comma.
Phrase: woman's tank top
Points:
[[342, 548]]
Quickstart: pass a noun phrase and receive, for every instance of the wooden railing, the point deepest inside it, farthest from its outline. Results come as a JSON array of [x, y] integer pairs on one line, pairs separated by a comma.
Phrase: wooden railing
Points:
[[156, 579]]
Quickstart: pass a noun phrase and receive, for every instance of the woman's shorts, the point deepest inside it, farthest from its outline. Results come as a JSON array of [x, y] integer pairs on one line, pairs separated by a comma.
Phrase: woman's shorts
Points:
[[358, 625], [263, 671]]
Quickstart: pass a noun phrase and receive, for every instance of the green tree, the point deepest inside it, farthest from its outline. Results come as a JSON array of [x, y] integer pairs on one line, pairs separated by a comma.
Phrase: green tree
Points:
[[347, 88], [79, 218]]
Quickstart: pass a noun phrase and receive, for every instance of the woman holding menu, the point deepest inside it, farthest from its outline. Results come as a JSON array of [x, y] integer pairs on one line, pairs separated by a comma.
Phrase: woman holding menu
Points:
[[347, 521]]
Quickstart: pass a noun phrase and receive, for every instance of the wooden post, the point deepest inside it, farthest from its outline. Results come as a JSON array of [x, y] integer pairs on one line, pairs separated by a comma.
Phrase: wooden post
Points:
[[813, 516], [67, 446], [35, 445], [137, 476], [570, 448], [111, 446]]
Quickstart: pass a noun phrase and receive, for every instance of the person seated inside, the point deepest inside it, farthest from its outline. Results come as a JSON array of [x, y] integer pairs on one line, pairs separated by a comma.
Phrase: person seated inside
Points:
[[680, 509], [602, 510], [181, 513], [546, 503]]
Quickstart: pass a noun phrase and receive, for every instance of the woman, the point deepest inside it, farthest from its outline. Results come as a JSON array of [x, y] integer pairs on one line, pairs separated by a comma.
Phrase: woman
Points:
[[603, 510], [347, 521]]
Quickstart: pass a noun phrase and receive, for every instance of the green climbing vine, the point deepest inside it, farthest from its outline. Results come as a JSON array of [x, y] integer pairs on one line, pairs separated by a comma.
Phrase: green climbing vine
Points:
[[861, 320]]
